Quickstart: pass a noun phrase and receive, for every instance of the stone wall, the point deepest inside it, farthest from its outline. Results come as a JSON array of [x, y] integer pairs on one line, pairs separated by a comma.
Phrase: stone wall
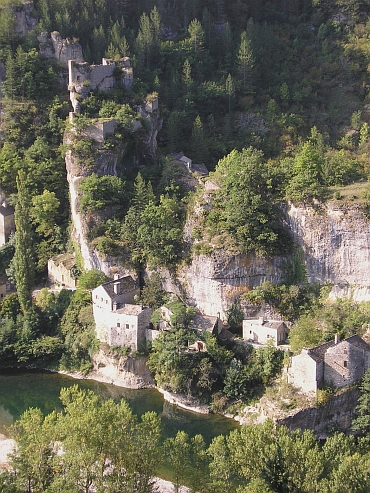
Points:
[[345, 364], [7, 225], [304, 372]]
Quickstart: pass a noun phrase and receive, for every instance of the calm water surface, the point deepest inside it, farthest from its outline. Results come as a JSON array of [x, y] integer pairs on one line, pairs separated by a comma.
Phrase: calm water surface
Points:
[[20, 390]]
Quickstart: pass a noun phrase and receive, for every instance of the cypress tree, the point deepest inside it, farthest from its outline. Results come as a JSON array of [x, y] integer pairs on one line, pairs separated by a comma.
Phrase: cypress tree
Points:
[[24, 264]]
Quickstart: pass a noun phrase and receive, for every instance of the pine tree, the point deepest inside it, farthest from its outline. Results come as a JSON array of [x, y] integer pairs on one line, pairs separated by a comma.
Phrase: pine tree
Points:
[[198, 142], [245, 59], [196, 34], [24, 265], [186, 74]]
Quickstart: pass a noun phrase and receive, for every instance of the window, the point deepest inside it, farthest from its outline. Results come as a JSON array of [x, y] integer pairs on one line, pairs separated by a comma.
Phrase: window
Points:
[[345, 363], [345, 351], [106, 302], [127, 326], [268, 336], [250, 331], [118, 324]]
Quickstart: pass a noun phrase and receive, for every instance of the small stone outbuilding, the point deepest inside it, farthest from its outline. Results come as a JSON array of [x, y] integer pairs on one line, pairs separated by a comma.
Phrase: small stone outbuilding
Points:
[[334, 363]]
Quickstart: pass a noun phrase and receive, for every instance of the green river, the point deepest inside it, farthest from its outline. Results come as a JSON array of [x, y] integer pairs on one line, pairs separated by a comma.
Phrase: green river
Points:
[[20, 390]]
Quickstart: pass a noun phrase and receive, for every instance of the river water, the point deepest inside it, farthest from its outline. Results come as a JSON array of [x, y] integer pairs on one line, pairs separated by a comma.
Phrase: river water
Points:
[[20, 390]]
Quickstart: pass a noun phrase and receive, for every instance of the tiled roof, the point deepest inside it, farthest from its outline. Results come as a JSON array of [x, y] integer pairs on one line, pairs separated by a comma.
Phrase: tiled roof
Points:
[[358, 342], [126, 285], [130, 309], [318, 352], [203, 322]]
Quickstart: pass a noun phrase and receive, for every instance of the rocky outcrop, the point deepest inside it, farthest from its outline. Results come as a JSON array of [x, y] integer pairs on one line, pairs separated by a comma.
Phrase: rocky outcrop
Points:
[[335, 242], [60, 49], [214, 282], [336, 414], [105, 163], [128, 372], [25, 19]]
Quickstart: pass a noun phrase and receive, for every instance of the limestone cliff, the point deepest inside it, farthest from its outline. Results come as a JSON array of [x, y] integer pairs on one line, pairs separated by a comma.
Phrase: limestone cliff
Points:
[[128, 372], [105, 162], [336, 414], [336, 247]]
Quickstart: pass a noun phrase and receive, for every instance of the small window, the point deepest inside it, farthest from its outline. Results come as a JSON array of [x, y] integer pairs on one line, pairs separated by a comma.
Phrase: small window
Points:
[[118, 324], [345, 351], [250, 331], [96, 296], [268, 336], [106, 302], [345, 364], [127, 326]]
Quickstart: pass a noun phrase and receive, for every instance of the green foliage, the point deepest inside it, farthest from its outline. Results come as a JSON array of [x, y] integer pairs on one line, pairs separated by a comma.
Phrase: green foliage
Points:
[[361, 423], [101, 191], [290, 301], [152, 294], [24, 265], [235, 316], [326, 319], [87, 433], [243, 208]]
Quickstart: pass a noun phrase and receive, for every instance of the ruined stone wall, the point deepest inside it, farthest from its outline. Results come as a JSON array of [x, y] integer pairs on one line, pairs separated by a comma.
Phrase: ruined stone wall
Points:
[[7, 227], [100, 130]]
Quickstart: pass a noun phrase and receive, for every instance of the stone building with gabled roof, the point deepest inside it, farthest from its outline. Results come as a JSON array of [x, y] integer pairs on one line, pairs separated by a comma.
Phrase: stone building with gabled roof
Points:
[[334, 363], [262, 331], [118, 321]]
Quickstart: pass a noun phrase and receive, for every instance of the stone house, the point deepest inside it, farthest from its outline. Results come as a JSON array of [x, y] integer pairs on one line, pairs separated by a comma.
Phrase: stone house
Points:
[[334, 363], [61, 270], [7, 225], [118, 321], [263, 331]]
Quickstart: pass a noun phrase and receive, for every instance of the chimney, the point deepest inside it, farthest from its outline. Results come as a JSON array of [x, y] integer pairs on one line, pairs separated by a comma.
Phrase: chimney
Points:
[[116, 276], [116, 287], [336, 339]]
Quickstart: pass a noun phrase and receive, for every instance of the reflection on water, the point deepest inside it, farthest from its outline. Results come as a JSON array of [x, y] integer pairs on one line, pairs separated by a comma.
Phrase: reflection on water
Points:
[[20, 390]]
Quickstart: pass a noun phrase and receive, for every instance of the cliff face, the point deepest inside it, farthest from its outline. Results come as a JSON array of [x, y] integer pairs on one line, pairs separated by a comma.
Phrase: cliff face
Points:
[[214, 282], [106, 163], [336, 247]]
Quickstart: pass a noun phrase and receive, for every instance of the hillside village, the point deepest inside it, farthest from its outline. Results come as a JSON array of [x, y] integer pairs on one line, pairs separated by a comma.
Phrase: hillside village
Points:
[[185, 205]]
